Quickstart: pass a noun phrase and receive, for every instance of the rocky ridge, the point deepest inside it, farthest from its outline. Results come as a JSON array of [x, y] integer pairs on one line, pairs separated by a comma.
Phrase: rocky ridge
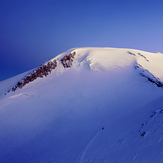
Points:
[[44, 70]]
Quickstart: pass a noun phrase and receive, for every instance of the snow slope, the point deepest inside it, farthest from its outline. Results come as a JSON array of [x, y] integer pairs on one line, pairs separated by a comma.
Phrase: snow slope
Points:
[[106, 108]]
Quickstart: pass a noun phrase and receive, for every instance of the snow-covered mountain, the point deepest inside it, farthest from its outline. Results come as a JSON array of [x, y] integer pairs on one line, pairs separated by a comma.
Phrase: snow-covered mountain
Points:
[[85, 105]]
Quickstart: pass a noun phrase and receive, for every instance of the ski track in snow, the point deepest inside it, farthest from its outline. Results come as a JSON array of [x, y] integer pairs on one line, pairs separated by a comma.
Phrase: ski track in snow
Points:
[[87, 146]]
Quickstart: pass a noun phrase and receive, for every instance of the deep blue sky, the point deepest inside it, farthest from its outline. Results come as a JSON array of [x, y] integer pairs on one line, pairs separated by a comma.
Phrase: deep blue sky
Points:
[[34, 31]]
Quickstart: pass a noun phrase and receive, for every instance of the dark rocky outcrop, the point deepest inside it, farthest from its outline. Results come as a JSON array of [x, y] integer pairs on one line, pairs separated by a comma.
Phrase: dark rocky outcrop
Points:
[[153, 123], [143, 57], [67, 60], [134, 54], [43, 70], [151, 78]]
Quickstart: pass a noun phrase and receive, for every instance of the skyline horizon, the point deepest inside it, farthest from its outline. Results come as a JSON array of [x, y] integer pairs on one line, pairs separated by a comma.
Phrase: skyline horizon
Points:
[[33, 32]]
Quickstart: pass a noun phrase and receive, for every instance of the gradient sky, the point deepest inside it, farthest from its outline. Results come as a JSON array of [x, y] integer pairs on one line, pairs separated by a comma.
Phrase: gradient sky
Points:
[[34, 31]]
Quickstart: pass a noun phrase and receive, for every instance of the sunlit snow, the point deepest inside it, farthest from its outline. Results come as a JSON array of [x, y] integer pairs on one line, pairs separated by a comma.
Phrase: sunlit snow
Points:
[[102, 109]]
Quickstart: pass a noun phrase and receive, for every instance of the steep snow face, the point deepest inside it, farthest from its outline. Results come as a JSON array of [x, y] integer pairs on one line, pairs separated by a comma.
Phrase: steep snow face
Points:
[[101, 109]]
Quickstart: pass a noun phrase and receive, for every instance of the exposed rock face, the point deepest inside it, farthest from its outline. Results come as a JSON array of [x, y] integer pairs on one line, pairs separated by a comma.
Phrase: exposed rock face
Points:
[[143, 57], [151, 78], [154, 120], [134, 54], [42, 71], [67, 60]]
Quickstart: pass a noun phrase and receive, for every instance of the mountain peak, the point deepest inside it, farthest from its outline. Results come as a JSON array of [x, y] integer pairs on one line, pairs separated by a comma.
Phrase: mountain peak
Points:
[[85, 105], [101, 59]]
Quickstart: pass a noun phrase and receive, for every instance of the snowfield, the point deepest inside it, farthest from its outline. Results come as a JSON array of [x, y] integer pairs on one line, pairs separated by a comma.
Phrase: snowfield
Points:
[[107, 107]]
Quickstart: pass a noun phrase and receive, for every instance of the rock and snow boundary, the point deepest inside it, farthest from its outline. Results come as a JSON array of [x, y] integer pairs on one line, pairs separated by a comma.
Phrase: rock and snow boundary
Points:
[[44, 70], [100, 61]]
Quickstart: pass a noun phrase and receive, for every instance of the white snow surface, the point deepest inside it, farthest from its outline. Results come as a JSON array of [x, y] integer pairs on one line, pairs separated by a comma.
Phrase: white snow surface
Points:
[[101, 110]]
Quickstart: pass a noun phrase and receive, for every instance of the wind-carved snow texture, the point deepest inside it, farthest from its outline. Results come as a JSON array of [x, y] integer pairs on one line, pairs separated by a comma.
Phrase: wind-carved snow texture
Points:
[[145, 73], [67, 60], [43, 70]]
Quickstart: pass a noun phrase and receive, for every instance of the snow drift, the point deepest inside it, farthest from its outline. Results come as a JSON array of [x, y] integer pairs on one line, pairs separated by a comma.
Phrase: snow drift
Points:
[[92, 105]]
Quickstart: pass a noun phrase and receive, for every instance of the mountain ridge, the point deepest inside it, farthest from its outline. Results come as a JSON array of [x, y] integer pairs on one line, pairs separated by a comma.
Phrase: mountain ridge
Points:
[[46, 68]]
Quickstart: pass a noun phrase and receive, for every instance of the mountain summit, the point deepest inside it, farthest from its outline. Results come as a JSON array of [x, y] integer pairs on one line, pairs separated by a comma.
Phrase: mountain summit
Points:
[[85, 105]]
